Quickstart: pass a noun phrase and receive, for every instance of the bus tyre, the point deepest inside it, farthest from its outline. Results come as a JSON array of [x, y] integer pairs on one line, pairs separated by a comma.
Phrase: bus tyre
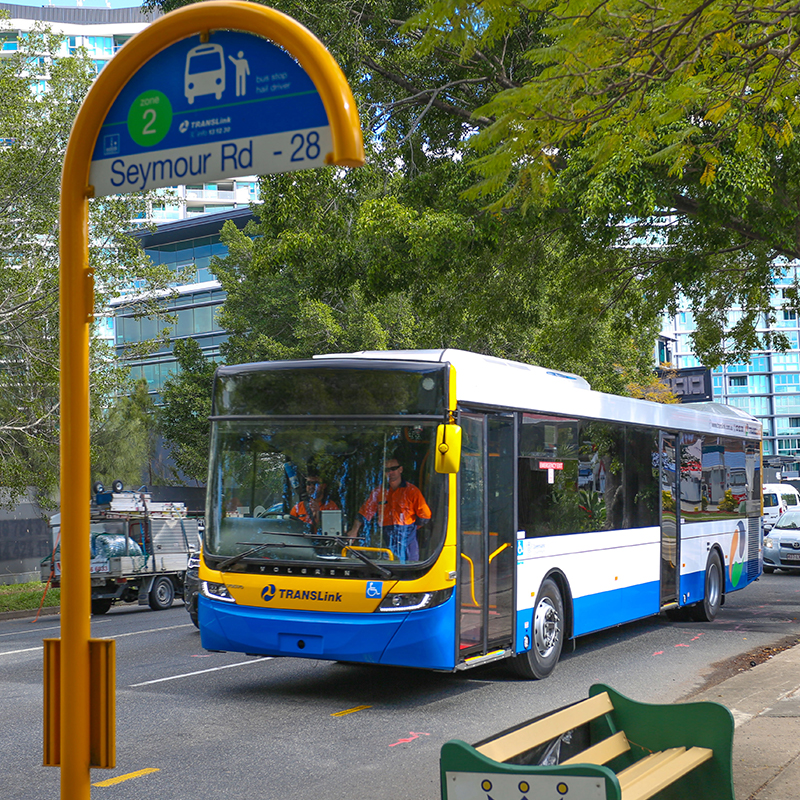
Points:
[[707, 610], [547, 635], [162, 593], [101, 605]]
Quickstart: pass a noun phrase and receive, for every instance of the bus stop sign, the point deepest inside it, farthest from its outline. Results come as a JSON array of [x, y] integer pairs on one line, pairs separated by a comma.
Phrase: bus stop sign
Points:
[[226, 104]]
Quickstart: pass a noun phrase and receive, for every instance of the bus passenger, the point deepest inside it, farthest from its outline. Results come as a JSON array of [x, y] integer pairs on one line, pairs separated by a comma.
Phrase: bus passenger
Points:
[[401, 510], [317, 500]]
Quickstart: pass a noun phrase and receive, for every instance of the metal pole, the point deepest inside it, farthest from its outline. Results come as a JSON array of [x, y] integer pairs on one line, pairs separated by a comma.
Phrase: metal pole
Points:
[[76, 300]]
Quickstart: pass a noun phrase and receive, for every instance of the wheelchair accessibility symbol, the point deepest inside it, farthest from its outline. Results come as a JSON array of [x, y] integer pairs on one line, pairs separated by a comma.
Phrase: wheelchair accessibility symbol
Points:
[[374, 588]]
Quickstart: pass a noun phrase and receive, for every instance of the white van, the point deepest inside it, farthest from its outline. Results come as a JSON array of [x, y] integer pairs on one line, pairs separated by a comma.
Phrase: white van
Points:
[[779, 497]]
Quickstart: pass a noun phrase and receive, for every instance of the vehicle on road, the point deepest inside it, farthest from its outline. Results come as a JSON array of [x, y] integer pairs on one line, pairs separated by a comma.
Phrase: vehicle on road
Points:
[[549, 511], [782, 543], [139, 550], [191, 586], [778, 499]]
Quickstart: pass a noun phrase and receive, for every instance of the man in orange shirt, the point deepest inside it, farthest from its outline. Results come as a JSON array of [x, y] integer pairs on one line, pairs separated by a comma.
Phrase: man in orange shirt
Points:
[[318, 500], [400, 508]]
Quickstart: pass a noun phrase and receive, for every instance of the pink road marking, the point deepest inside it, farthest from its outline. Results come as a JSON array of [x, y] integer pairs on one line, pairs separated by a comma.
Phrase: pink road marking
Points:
[[412, 735]]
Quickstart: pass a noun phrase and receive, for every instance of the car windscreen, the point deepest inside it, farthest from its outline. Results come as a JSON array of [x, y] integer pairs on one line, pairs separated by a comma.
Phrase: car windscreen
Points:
[[789, 521]]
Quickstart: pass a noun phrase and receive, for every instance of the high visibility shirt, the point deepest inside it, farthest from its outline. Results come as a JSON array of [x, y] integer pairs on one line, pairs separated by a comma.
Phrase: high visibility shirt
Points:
[[404, 505], [301, 511]]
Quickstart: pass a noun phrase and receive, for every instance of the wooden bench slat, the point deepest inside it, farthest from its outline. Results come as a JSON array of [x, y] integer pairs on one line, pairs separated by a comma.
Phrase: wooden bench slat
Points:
[[664, 773], [602, 752], [541, 731], [636, 771]]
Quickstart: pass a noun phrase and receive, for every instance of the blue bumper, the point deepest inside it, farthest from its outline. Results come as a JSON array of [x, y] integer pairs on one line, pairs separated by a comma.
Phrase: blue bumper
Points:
[[406, 639]]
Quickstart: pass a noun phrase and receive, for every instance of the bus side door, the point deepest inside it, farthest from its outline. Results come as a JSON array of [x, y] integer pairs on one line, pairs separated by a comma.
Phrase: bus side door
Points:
[[487, 525]]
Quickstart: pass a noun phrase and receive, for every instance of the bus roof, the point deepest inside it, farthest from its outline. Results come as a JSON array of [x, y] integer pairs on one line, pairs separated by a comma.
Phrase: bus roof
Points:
[[489, 381]]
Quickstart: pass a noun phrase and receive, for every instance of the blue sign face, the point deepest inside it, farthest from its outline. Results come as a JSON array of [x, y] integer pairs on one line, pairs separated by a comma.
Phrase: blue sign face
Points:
[[198, 111]]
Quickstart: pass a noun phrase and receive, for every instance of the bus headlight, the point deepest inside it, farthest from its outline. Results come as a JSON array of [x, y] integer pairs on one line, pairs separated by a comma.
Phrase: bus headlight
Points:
[[415, 601], [216, 591]]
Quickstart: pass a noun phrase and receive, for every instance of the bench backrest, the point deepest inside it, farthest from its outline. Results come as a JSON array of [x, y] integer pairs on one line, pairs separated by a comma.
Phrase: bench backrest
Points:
[[543, 730]]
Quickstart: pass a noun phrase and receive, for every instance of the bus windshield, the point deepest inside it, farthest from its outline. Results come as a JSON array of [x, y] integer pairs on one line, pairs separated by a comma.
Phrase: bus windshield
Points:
[[332, 493]]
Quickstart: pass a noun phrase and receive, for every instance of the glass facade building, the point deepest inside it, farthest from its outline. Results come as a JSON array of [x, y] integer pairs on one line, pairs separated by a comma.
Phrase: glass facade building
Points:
[[767, 385], [186, 245]]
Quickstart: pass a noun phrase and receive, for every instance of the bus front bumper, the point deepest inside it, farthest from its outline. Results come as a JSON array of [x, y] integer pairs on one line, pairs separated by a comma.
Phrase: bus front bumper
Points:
[[409, 639]]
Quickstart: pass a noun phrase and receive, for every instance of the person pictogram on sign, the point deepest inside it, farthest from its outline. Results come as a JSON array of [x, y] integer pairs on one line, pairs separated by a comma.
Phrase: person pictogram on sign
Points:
[[242, 71]]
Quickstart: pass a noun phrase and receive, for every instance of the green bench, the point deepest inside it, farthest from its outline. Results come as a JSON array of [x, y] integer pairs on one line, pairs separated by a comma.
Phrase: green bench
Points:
[[606, 747]]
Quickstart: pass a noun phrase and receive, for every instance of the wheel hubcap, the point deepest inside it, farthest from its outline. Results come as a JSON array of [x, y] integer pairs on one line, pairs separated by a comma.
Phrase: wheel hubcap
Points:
[[546, 625], [714, 586]]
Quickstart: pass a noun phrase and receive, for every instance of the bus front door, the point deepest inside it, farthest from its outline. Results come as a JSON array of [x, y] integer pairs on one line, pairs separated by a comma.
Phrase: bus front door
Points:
[[487, 522], [670, 518]]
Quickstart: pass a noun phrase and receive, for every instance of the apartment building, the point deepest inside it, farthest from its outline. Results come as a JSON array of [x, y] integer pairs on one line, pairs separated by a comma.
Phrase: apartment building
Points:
[[767, 385]]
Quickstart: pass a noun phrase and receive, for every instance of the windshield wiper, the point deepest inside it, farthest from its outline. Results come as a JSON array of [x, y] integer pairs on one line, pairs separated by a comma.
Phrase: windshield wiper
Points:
[[229, 562]]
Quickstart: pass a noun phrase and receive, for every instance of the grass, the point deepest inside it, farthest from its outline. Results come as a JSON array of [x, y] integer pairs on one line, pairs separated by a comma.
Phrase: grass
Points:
[[27, 596]]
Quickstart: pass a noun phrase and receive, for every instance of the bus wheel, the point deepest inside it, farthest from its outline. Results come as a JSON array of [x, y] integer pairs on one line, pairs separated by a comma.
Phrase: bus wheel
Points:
[[709, 608], [162, 593], [101, 605], [548, 635]]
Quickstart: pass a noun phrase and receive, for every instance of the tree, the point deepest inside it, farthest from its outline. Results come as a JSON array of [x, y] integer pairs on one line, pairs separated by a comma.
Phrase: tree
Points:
[[34, 129], [124, 440], [183, 419], [375, 258], [665, 131]]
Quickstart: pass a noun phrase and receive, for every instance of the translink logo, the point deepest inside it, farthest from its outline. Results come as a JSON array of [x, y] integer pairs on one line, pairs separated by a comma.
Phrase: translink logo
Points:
[[270, 590]]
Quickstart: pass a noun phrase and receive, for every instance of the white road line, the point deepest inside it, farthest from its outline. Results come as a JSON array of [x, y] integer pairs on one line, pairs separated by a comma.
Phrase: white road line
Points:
[[32, 630], [200, 672], [153, 630], [118, 636], [28, 650]]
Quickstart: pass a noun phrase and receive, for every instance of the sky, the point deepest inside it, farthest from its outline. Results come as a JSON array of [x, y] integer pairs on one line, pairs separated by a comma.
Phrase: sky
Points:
[[85, 3]]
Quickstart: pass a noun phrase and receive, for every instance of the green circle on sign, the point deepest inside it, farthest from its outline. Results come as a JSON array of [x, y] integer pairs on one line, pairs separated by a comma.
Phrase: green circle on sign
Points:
[[149, 118]]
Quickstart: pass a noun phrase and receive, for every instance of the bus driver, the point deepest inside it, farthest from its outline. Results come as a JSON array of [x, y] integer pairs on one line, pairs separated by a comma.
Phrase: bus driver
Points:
[[401, 510]]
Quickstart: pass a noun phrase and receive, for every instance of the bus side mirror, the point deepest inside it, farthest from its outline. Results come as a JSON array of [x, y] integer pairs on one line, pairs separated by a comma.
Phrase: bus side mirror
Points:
[[448, 448]]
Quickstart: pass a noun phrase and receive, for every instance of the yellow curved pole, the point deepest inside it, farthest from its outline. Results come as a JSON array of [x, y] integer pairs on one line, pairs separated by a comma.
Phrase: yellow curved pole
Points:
[[77, 307], [471, 579], [498, 551]]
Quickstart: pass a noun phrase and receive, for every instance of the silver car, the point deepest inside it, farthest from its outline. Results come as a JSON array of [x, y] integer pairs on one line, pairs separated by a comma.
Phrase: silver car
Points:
[[782, 544]]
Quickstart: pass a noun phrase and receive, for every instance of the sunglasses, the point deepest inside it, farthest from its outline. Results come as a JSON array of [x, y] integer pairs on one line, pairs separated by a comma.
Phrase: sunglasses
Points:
[[392, 469]]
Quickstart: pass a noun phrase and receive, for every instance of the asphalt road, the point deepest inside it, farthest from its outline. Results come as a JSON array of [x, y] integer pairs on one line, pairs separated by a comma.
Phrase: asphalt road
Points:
[[192, 724]]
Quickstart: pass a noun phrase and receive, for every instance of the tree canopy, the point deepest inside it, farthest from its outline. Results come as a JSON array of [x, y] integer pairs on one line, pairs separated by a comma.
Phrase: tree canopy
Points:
[[665, 132], [34, 129]]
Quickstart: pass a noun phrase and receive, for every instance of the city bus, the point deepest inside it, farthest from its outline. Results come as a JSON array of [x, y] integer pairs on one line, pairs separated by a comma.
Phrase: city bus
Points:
[[536, 510]]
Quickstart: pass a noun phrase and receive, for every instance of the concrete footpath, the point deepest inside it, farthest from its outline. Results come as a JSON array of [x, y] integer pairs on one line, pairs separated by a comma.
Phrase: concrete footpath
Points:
[[765, 702]]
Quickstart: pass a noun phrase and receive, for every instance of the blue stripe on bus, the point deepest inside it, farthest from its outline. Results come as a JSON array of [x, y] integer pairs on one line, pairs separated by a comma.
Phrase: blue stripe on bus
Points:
[[597, 611], [415, 639]]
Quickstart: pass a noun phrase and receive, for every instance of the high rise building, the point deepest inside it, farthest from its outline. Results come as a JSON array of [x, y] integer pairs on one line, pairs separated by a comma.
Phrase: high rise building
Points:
[[767, 385]]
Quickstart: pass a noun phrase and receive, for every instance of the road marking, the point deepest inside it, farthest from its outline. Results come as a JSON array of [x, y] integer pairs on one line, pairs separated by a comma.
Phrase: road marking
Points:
[[31, 630], [201, 671], [118, 636], [27, 650], [411, 738], [128, 777], [153, 630], [349, 711]]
